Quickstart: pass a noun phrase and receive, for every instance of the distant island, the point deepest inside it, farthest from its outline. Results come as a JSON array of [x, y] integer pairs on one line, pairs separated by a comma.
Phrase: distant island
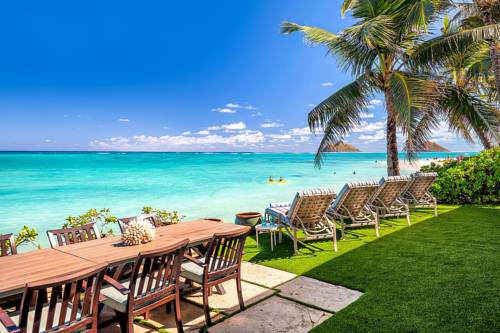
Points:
[[430, 146], [341, 147]]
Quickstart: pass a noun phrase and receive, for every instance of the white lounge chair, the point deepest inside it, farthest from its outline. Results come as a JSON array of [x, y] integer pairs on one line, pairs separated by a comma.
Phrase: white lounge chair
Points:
[[386, 202], [307, 213], [417, 193], [351, 209]]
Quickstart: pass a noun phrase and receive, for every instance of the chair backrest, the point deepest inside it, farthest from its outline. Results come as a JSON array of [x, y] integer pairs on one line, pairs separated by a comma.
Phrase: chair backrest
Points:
[[223, 256], [310, 206], [390, 189], [65, 304], [124, 221], [66, 236], [7, 245], [156, 274], [354, 197], [420, 184]]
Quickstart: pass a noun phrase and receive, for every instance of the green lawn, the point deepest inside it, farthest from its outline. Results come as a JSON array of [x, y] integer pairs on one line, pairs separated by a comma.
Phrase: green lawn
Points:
[[442, 274]]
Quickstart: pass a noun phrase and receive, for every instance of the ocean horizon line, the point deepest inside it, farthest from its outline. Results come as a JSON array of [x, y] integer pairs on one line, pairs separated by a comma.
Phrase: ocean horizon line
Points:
[[210, 152]]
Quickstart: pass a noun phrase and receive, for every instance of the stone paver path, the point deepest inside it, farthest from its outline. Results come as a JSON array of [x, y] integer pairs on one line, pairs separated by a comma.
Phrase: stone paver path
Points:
[[275, 314], [285, 303], [228, 303], [323, 295], [264, 276]]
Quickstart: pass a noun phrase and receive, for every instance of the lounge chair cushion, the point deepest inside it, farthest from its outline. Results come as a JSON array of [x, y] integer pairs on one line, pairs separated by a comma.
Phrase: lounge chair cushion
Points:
[[45, 310], [280, 204]]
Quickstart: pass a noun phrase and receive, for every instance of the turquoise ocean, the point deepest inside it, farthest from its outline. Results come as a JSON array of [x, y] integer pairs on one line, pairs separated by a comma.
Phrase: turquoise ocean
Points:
[[40, 189]]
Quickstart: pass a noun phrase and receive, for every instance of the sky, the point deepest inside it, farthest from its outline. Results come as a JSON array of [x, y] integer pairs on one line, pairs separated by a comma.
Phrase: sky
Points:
[[171, 76]]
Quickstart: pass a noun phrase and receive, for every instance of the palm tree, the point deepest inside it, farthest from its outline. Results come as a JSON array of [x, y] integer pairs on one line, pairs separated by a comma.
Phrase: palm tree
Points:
[[466, 79], [374, 49], [473, 22]]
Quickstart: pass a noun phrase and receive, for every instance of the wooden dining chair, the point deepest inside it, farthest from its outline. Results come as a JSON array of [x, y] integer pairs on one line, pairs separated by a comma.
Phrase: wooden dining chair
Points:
[[66, 236], [62, 305], [154, 282], [7, 245], [222, 262]]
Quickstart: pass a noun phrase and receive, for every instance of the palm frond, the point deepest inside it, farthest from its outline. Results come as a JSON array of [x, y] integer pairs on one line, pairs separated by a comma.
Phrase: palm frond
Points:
[[312, 35], [439, 49], [340, 113], [412, 96], [467, 113], [422, 125]]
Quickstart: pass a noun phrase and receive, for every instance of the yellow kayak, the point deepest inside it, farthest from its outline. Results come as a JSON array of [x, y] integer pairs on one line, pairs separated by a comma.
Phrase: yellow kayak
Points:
[[277, 182]]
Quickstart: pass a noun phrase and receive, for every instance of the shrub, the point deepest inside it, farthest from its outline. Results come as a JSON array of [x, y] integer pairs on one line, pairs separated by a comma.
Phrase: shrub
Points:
[[164, 216], [102, 218], [474, 179]]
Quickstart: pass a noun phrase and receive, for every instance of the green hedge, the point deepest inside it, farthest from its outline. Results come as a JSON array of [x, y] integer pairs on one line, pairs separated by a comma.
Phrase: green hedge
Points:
[[475, 179]]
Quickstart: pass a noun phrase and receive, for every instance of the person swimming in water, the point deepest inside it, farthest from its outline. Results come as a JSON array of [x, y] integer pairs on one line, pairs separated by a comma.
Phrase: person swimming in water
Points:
[[354, 172], [270, 179], [281, 180]]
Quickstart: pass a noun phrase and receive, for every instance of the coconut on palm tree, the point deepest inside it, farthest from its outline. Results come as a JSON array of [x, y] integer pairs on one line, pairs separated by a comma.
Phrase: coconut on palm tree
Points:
[[375, 50]]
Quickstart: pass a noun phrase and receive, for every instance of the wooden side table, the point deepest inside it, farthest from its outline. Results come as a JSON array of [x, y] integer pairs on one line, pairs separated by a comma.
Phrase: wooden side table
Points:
[[270, 229]]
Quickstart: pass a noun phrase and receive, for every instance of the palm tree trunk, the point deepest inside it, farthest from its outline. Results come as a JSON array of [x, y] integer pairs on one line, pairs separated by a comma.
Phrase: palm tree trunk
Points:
[[392, 141], [484, 6]]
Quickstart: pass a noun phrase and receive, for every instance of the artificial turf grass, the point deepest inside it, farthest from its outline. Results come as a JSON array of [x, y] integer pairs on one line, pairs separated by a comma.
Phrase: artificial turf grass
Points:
[[441, 274]]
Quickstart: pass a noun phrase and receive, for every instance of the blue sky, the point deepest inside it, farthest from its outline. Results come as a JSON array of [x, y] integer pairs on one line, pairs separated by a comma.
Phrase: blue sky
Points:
[[170, 76]]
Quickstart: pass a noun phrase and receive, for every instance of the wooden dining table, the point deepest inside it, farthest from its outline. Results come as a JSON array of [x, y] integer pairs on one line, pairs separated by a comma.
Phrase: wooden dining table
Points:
[[18, 270]]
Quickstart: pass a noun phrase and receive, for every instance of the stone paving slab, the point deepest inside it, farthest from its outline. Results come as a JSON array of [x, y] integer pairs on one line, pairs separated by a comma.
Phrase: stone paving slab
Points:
[[264, 276], [193, 318], [323, 295], [275, 314], [228, 303]]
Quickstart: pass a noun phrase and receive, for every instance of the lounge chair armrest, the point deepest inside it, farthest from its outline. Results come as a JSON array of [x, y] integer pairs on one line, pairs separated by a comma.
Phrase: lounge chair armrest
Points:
[[117, 285], [6, 321], [196, 261]]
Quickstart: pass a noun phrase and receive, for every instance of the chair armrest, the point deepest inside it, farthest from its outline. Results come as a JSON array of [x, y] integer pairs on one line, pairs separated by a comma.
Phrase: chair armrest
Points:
[[196, 261], [6, 321], [117, 285]]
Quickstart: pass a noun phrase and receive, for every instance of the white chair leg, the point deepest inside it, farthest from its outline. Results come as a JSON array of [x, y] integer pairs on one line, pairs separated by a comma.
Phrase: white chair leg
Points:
[[376, 226], [257, 237], [295, 245]]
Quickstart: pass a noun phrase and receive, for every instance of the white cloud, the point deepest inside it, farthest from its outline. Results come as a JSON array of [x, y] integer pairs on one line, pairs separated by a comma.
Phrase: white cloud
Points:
[[312, 105], [166, 142], [49, 141], [300, 131], [367, 115], [374, 102], [240, 106], [368, 127], [257, 114], [271, 125], [165, 127], [327, 84], [124, 120], [204, 132], [280, 136], [377, 136], [224, 110], [235, 126], [442, 135], [186, 133]]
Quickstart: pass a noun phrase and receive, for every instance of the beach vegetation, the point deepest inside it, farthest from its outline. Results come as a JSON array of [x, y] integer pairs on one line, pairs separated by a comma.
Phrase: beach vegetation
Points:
[[470, 180], [102, 218], [166, 217], [380, 51], [26, 236]]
